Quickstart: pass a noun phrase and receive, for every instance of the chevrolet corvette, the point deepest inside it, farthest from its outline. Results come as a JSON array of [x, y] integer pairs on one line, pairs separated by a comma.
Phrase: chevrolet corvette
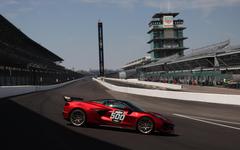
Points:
[[114, 113]]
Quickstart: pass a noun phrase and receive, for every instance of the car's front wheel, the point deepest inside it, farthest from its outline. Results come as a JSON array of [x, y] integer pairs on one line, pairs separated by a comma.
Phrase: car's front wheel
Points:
[[145, 125], [78, 117]]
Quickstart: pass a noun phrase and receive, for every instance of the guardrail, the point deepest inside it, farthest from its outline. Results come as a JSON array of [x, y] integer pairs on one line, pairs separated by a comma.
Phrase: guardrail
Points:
[[6, 91], [156, 85], [177, 95]]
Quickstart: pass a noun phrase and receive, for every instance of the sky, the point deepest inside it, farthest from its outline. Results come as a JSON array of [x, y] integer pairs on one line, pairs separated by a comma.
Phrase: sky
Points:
[[69, 27]]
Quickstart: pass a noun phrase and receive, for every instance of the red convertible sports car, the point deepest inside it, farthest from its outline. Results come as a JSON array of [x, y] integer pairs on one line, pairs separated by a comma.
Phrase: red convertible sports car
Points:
[[114, 113]]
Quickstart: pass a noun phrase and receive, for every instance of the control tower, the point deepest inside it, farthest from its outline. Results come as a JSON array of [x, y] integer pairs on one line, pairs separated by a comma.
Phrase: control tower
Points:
[[166, 35]]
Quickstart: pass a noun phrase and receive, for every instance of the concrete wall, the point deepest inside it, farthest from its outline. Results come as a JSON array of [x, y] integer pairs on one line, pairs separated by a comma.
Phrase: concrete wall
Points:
[[6, 91], [178, 95], [149, 84]]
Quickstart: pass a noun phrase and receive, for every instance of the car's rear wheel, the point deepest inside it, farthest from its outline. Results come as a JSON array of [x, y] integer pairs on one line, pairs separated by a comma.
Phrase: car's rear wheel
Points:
[[78, 117], [145, 125]]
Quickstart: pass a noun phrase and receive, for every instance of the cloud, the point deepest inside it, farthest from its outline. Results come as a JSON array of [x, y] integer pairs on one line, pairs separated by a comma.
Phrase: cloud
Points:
[[161, 4], [190, 4], [125, 3], [8, 2], [14, 8], [206, 6], [110, 1]]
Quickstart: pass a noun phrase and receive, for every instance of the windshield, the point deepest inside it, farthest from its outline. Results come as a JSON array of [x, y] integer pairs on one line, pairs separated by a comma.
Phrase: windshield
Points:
[[121, 104], [134, 107]]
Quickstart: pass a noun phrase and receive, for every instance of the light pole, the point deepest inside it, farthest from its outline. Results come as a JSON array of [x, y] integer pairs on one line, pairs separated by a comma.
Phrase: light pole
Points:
[[100, 44]]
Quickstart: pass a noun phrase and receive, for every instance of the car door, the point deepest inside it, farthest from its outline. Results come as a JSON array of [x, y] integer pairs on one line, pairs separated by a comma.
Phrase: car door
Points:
[[118, 115]]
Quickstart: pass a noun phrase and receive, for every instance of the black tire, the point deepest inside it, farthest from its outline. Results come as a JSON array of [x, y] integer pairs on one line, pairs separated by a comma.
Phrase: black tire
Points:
[[145, 125], [78, 117]]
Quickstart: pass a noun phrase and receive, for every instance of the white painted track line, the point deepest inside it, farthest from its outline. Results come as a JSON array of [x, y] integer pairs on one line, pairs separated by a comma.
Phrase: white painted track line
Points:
[[217, 120], [209, 122]]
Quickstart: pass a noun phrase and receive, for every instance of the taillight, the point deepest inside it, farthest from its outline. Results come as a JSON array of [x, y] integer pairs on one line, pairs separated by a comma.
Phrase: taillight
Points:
[[66, 104]]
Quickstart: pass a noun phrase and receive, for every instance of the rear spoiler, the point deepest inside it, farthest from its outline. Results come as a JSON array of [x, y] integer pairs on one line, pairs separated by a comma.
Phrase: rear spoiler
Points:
[[69, 98]]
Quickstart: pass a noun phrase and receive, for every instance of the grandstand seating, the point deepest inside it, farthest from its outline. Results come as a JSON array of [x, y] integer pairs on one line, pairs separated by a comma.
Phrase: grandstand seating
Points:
[[25, 62], [209, 65]]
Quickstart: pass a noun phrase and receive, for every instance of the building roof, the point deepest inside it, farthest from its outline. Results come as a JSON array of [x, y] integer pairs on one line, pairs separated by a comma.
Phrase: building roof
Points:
[[210, 51], [167, 39], [13, 37], [161, 14], [168, 48], [139, 61]]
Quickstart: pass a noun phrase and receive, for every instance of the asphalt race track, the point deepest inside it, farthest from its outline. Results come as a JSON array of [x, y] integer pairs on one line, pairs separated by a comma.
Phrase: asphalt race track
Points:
[[34, 121]]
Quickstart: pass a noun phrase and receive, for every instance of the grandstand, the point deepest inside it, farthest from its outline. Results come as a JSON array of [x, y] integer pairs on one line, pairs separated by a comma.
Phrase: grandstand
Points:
[[25, 62], [136, 63], [210, 65], [129, 70]]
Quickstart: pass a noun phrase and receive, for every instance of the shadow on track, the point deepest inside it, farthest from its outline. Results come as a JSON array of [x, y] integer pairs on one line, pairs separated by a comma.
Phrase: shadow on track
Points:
[[124, 130], [21, 128]]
